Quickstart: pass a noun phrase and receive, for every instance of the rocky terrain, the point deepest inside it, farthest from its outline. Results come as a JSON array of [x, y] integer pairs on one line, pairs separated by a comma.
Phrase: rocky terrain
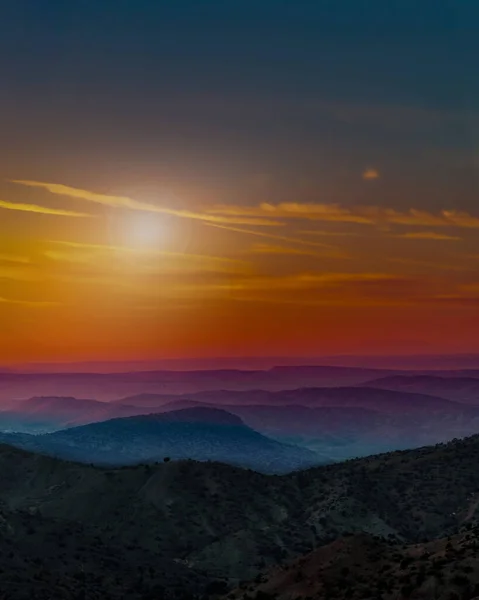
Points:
[[170, 513]]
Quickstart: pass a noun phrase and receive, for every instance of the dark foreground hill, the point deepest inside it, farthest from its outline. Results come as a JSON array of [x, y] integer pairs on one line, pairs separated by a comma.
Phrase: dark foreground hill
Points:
[[196, 433], [361, 566], [219, 523], [46, 558]]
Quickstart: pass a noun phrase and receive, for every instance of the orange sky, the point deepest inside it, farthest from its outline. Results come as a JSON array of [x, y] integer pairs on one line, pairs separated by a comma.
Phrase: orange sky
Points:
[[212, 179], [90, 275]]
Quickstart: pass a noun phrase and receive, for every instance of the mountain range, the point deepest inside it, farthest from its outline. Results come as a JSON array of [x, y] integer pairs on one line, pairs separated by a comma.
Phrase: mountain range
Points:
[[461, 389], [111, 386], [335, 423], [167, 515]]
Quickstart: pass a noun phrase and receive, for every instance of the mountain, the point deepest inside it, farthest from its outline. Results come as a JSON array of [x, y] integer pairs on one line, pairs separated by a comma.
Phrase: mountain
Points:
[[111, 386], [363, 566], [43, 414], [460, 389], [377, 399], [197, 433], [171, 510], [46, 557], [337, 433], [342, 423], [337, 423]]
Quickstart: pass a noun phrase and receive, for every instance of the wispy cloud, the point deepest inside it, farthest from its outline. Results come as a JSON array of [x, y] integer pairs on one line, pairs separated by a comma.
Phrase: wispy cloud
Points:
[[287, 250], [371, 174], [145, 252], [32, 303], [438, 265], [429, 235], [303, 281], [363, 215], [132, 204], [142, 260], [19, 273], [273, 236], [302, 288], [70, 257], [12, 258], [323, 233], [43, 210]]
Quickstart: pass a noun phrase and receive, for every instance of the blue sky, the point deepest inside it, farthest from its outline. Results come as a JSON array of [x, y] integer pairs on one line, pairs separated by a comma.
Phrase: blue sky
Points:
[[219, 91]]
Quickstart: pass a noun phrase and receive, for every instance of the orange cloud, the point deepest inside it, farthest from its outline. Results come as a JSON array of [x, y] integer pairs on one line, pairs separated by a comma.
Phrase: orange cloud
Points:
[[302, 281], [43, 210], [129, 203], [32, 303], [429, 235], [371, 174], [145, 252], [363, 215], [272, 236], [19, 273], [12, 258], [277, 249]]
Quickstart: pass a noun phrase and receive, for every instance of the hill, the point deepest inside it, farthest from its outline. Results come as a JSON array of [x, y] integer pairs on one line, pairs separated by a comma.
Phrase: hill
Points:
[[45, 558], [171, 510], [460, 389], [197, 433], [362, 566], [337, 423], [43, 414], [111, 386], [381, 400], [345, 422]]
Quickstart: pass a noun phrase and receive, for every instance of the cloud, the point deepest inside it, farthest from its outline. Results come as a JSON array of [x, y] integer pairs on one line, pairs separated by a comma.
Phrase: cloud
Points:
[[12, 258], [319, 233], [428, 235], [19, 273], [439, 264], [32, 303], [303, 281], [70, 257], [43, 210], [370, 174], [301, 288], [143, 260], [129, 203], [273, 236], [154, 252], [286, 250], [362, 215]]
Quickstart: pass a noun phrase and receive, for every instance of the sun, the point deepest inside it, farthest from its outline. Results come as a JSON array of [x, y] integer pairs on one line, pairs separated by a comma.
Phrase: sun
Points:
[[144, 231]]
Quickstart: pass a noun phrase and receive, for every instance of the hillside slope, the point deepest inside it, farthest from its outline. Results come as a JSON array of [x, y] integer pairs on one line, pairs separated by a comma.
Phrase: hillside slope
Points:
[[362, 566], [171, 510]]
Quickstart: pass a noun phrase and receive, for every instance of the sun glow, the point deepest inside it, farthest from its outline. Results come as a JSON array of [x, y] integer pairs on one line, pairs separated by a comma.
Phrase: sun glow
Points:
[[144, 231]]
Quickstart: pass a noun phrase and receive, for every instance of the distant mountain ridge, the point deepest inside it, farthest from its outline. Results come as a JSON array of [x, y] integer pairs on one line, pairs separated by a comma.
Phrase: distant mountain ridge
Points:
[[460, 389], [42, 414], [337, 423], [110, 386], [196, 433]]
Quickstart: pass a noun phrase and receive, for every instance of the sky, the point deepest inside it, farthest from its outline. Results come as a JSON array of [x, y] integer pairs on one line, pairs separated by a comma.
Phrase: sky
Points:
[[209, 178]]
